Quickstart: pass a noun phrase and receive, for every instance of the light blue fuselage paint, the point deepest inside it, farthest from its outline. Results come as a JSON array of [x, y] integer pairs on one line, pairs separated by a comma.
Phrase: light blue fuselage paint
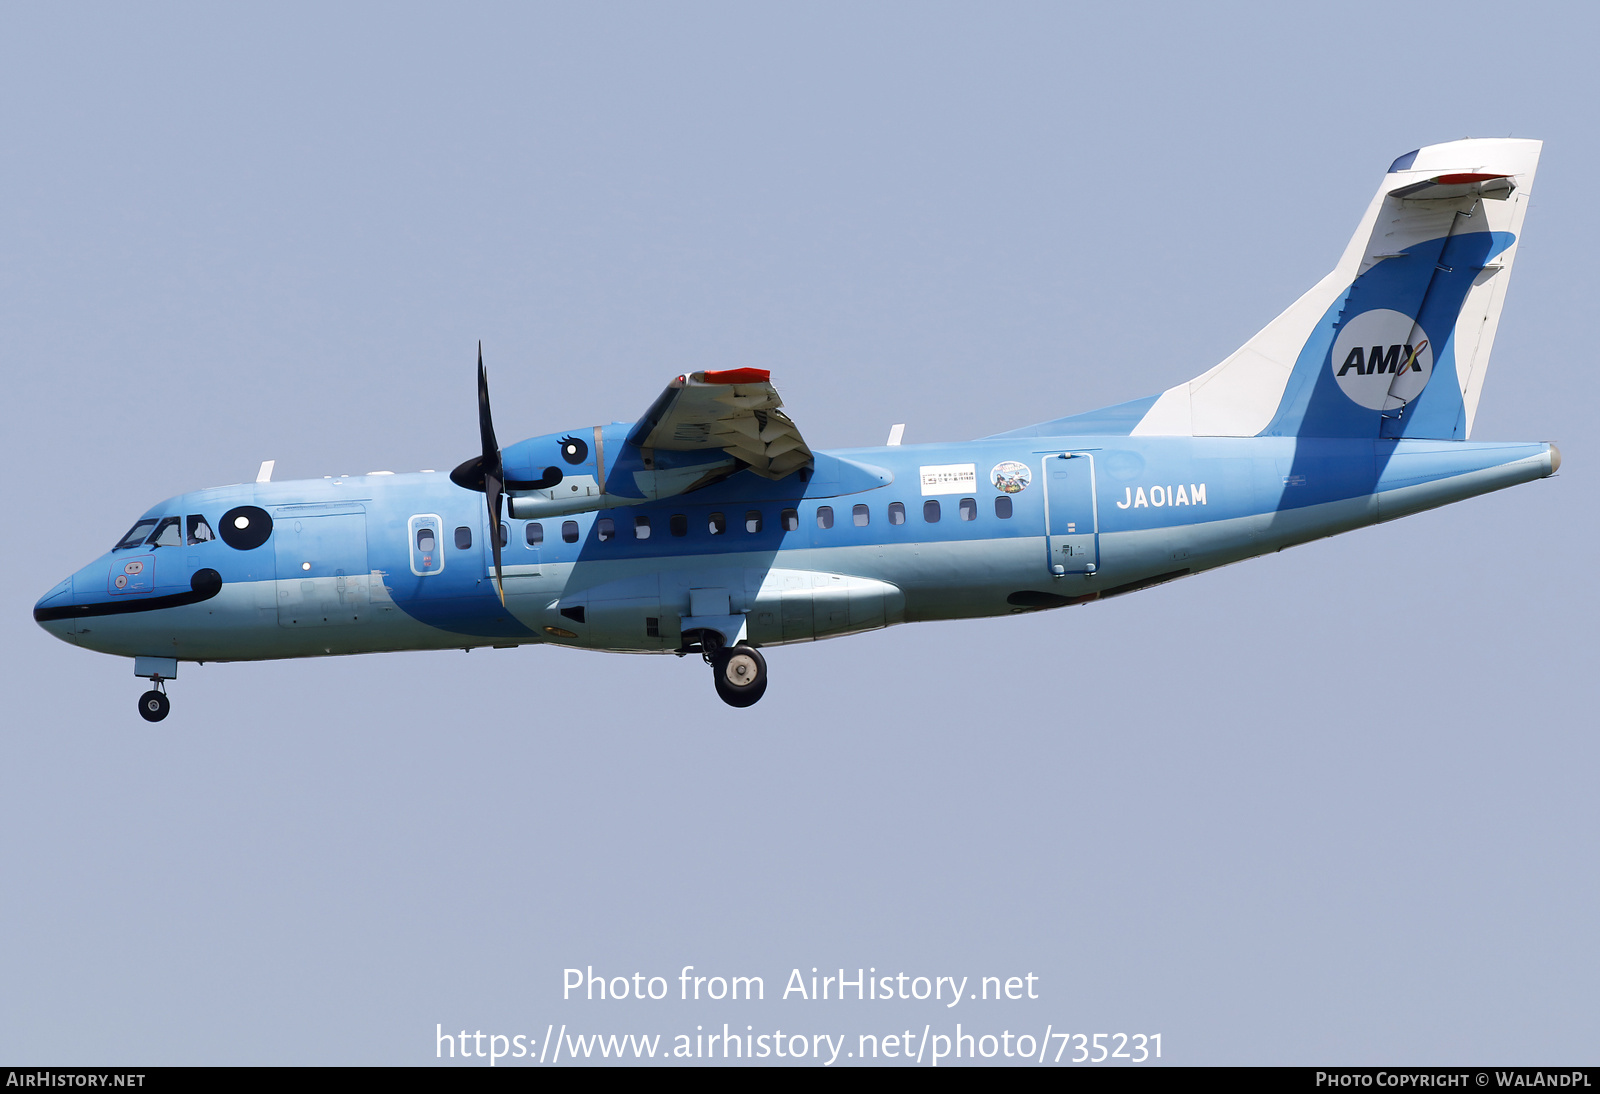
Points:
[[342, 571]]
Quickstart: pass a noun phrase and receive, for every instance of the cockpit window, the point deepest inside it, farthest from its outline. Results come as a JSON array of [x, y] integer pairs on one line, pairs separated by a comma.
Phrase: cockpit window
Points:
[[169, 533], [199, 530], [136, 535]]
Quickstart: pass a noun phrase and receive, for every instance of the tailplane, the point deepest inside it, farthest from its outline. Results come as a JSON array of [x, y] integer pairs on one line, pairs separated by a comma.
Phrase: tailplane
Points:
[[1395, 341]]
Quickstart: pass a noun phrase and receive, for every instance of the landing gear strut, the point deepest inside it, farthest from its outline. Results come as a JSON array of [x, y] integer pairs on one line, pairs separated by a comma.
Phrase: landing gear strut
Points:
[[739, 672], [154, 704]]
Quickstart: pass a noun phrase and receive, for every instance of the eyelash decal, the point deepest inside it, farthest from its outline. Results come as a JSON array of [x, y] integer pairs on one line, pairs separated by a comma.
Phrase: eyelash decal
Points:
[[574, 450]]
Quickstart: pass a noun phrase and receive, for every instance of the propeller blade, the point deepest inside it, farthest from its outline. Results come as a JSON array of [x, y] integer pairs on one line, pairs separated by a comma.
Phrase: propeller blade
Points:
[[485, 422], [494, 472], [487, 473], [492, 488]]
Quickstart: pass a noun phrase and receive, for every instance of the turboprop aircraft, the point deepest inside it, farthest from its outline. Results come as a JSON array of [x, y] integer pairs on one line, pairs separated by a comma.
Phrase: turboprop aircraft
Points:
[[709, 526]]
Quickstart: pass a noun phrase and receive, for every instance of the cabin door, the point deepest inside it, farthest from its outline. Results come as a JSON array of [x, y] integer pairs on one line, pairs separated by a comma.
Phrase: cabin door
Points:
[[1071, 517], [322, 568]]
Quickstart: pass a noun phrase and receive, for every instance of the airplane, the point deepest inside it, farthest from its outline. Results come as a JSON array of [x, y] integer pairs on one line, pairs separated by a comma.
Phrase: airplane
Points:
[[710, 527]]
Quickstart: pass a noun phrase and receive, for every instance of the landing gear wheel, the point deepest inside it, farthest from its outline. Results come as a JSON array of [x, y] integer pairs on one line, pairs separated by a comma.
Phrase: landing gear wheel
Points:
[[153, 706], [740, 674]]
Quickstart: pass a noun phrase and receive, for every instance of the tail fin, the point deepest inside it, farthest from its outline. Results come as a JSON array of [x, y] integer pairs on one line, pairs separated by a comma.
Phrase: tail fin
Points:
[[1395, 341]]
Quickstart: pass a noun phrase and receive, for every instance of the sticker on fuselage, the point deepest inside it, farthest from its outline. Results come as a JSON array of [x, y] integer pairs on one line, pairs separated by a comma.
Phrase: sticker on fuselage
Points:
[[1382, 359], [1011, 477], [949, 478]]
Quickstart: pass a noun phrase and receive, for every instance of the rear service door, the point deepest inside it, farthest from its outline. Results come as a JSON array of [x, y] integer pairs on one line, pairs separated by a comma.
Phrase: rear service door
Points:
[[322, 568], [1071, 517]]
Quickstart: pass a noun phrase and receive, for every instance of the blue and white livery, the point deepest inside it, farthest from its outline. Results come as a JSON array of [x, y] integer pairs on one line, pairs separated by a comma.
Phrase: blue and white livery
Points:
[[710, 526]]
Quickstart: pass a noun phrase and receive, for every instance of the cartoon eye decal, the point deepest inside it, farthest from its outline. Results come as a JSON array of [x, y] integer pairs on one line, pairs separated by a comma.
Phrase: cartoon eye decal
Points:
[[245, 527], [574, 450]]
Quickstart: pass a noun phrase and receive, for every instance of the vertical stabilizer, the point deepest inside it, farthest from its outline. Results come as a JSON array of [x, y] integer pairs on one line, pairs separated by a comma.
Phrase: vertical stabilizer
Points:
[[1396, 340]]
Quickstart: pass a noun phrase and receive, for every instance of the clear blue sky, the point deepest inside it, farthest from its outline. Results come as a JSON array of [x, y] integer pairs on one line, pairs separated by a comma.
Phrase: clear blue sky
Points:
[[1332, 806]]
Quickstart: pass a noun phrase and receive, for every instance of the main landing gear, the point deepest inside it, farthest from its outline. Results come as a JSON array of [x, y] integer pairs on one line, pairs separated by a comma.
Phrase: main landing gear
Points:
[[154, 704], [739, 672]]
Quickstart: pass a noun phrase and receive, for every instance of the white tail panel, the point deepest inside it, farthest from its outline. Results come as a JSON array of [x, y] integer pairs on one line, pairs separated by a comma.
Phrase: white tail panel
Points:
[[1426, 270]]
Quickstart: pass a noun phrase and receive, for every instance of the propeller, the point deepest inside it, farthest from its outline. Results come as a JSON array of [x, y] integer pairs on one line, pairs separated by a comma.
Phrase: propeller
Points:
[[486, 472]]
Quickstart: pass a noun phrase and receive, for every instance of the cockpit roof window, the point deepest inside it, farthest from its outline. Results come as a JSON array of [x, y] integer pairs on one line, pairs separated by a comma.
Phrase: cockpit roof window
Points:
[[136, 535]]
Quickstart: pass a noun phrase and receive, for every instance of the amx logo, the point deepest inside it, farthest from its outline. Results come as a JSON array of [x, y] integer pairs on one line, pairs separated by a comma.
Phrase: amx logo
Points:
[[1398, 359], [1382, 359]]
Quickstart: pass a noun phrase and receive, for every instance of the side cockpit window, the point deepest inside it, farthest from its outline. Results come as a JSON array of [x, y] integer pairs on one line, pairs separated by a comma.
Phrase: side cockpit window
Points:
[[199, 530], [136, 535], [169, 533]]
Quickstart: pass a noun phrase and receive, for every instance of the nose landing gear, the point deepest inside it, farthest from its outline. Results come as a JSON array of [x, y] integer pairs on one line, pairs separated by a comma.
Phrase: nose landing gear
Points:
[[154, 704]]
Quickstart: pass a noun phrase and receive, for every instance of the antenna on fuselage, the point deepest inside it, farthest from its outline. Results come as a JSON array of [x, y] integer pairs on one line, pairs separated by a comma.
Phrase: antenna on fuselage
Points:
[[895, 433], [265, 474]]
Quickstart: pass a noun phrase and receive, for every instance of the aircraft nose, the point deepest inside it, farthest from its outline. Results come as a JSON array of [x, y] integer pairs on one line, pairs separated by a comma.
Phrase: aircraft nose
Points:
[[58, 597]]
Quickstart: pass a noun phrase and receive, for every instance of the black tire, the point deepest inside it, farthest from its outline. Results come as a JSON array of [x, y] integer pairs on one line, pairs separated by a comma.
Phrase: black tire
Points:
[[153, 706], [740, 674]]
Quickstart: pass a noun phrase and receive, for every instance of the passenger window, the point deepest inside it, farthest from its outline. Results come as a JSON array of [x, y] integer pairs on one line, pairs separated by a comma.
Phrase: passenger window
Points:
[[463, 538], [861, 516], [790, 520], [569, 531], [897, 513], [678, 525], [136, 535], [930, 511], [505, 534], [719, 524], [752, 521], [426, 541], [969, 509], [606, 528], [1002, 507], [641, 527], [199, 531], [169, 533], [534, 533], [824, 516]]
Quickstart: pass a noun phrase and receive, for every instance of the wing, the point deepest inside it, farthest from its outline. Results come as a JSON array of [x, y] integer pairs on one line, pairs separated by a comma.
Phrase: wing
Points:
[[735, 410]]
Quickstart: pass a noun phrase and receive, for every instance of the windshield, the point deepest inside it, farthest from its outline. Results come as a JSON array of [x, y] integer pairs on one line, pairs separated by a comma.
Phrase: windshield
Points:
[[169, 533], [135, 535]]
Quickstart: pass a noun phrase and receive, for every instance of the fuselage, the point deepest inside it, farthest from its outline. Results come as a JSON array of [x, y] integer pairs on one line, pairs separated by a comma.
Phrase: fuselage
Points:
[[944, 531]]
